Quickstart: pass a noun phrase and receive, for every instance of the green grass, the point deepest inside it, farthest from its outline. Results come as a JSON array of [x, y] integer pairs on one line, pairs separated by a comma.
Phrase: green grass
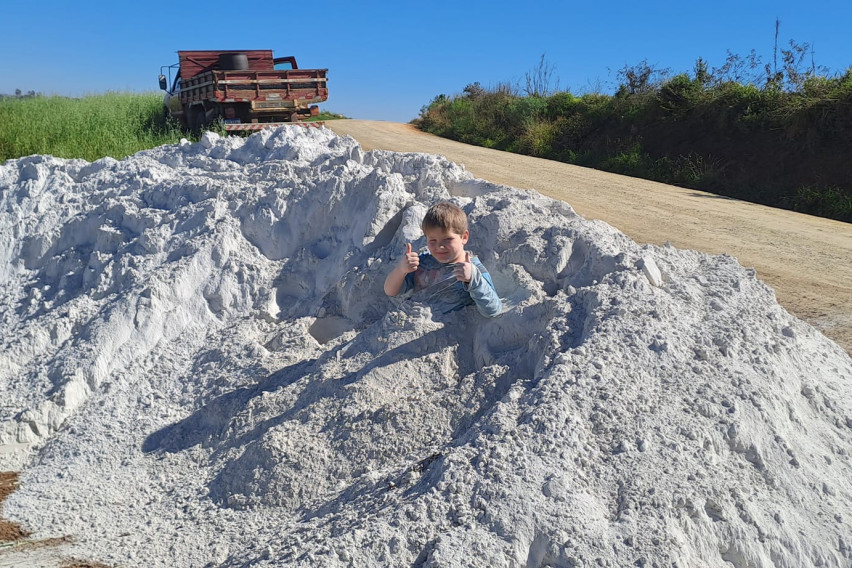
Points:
[[111, 124], [325, 115]]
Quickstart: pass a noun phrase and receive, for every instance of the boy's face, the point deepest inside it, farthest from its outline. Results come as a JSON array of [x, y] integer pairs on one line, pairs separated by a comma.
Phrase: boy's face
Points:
[[446, 246]]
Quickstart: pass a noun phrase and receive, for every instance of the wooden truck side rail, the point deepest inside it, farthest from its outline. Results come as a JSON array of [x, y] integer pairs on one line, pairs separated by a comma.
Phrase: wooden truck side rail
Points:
[[306, 85]]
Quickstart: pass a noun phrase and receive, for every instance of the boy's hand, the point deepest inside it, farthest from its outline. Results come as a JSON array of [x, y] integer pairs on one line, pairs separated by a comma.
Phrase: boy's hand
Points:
[[464, 270], [410, 261]]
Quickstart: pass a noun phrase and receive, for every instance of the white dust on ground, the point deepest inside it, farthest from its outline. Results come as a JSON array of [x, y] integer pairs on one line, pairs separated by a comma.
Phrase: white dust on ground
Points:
[[199, 368]]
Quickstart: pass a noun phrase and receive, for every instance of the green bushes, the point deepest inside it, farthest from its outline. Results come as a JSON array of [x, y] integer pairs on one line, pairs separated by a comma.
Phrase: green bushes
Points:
[[679, 94], [537, 138], [784, 143], [561, 105], [831, 202]]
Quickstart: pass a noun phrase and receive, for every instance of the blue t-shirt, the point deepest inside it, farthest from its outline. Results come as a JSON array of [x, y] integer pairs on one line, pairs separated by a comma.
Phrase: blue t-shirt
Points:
[[434, 283]]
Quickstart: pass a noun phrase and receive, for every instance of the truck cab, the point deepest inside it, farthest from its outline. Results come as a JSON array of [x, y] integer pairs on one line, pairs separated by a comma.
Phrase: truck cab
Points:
[[171, 100]]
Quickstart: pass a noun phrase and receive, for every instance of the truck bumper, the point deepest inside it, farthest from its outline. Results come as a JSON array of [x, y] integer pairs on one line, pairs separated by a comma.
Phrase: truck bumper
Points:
[[262, 125], [277, 105]]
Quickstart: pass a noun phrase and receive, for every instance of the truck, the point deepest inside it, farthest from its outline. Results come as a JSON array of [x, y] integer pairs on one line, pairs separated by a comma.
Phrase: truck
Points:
[[244, 89]]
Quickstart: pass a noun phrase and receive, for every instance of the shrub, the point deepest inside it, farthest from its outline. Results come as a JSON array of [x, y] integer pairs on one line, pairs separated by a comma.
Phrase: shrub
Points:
[[561, 104], [522, 110], [537, 138], [679, 93], [831, 202], [632, 162]]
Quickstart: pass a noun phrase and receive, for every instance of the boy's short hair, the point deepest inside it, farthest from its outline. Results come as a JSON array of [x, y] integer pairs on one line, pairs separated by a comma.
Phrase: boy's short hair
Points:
[[445, 216]]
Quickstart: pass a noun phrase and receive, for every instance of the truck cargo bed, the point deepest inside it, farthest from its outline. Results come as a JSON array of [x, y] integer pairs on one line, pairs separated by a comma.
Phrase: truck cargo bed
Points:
[[308, 85]]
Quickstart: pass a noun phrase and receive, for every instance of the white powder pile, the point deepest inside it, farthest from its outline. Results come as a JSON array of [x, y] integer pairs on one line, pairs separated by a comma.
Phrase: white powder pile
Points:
[[199, 368]]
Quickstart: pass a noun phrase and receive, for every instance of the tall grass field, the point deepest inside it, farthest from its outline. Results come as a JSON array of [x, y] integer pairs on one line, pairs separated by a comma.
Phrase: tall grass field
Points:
[[112, 124]]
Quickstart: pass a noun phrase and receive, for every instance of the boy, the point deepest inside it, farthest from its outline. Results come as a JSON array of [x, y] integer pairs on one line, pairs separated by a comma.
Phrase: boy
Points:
[[449, 274]]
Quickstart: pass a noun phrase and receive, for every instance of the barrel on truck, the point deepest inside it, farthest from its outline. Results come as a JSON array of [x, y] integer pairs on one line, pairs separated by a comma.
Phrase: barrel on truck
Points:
[[246, 90]]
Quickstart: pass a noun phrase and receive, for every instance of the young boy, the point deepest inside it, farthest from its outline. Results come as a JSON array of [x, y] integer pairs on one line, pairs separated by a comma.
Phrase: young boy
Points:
[[452, 277]]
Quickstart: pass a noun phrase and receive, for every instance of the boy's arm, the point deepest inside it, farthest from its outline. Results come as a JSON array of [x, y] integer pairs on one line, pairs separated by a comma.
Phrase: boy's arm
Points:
[[482, 291], [408, 263], [394, 281]]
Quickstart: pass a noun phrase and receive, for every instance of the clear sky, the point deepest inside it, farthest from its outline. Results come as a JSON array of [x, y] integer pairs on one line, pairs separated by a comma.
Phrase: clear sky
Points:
[[388, 59]]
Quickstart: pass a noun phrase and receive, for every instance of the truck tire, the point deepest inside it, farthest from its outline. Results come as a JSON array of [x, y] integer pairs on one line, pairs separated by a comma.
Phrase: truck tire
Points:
[[197, 119], [233, 61]]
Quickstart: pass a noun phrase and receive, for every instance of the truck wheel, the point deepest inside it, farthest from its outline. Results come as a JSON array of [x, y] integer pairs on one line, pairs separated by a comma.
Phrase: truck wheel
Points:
[[197, 119]]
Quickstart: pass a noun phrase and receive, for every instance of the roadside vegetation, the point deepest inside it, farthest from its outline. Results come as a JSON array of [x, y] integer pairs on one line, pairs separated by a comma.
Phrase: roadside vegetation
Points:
[[112, 124], [325, 115], [777, 133]]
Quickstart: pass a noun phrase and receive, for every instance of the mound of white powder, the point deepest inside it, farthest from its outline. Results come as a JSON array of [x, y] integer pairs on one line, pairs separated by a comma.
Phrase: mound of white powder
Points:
[[199, 368]]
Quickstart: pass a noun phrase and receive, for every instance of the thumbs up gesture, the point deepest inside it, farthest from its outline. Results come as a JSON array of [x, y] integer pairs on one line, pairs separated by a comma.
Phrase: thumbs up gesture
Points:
[[464, 270], [410, 261]]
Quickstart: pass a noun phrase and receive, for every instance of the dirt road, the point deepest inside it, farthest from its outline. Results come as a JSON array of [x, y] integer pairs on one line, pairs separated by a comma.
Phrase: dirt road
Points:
[[806, 259]]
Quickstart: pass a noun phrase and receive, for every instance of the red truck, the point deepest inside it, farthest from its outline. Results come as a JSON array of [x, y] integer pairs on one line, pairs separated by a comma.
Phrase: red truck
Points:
[[247, 90]]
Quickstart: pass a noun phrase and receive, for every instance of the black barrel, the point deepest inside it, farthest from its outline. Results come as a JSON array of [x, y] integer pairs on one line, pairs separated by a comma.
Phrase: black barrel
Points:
[[233, 61]]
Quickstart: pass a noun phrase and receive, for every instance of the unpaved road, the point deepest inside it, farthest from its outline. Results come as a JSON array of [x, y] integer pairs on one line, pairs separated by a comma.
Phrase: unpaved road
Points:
[[806, 259]]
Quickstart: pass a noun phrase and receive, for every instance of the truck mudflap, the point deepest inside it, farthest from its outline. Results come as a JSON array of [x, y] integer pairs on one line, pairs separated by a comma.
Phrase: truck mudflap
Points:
[[262, 125]]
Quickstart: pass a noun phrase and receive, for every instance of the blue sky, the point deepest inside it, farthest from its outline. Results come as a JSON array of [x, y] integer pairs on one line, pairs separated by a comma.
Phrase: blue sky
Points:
[[388, 59]]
